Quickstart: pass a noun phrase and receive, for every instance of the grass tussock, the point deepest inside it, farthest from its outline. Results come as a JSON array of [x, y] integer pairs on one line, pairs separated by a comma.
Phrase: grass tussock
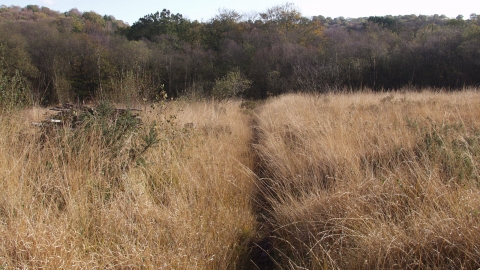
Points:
[[97, 196], [371, 181]]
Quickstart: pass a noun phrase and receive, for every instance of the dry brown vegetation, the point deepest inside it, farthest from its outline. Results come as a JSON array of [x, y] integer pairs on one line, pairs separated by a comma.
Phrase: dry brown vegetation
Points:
[[331, 181], [372, 181], [71, 204]]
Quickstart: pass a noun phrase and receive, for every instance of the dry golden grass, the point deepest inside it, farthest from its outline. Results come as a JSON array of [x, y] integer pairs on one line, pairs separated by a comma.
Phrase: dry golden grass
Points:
[[372, 181], [346, 181], [71, 203]]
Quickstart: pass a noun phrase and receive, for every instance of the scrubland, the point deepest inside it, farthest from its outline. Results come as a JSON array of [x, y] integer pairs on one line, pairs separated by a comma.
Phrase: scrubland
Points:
[[303, 181]]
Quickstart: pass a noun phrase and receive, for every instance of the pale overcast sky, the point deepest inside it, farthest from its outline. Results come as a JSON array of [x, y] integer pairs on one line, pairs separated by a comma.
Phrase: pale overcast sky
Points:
[[202, 10]]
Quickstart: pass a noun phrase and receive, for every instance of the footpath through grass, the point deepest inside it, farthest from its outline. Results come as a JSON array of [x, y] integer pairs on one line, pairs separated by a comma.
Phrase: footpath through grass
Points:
[[337, 181]]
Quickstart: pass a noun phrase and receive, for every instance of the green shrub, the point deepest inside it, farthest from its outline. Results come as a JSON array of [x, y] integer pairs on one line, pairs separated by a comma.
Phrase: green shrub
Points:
[[13, 91], [231, 85], [114, 141]]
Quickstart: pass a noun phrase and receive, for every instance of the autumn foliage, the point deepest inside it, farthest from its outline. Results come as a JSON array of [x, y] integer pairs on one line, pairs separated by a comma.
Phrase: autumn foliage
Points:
[[77, 55]]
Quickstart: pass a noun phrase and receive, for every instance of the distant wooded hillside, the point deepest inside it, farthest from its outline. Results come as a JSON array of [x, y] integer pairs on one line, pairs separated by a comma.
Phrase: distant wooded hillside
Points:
[[50, 57]]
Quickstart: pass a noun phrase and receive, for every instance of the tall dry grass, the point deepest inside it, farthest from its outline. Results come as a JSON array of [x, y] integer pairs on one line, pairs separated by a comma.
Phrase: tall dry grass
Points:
[[371, 181], [68, 201], [350, 181]]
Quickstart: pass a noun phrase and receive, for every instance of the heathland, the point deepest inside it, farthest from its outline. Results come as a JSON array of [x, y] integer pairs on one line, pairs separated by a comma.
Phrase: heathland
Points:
[[311, 181]]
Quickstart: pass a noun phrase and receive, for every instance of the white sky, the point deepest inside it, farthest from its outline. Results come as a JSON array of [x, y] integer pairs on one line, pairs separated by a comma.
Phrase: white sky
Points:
[[202, 10]]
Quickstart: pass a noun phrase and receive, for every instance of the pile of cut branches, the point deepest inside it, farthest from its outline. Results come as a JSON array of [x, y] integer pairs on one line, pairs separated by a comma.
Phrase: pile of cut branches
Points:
[[72, 115]]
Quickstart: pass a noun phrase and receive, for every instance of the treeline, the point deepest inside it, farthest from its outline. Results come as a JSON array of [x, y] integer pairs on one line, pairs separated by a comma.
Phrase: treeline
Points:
[[74, 55]]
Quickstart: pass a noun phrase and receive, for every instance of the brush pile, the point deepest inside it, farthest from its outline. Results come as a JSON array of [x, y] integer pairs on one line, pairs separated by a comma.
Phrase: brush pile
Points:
[[74, 116]]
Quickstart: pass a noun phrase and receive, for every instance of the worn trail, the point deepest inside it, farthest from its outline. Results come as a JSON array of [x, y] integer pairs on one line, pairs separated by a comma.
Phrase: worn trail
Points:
[[260, 250]]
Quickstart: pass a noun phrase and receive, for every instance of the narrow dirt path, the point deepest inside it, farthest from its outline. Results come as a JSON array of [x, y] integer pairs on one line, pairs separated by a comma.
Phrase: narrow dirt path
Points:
[[260, 251]]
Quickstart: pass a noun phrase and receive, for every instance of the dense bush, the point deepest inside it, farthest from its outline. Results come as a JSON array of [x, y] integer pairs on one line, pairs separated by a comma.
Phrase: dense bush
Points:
[[231, 85], [14, 88]]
